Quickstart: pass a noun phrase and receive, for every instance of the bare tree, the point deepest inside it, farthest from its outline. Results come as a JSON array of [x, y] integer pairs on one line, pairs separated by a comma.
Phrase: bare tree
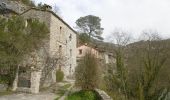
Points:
[[52, 62], [119, 78], [153, 55], [87, 72]]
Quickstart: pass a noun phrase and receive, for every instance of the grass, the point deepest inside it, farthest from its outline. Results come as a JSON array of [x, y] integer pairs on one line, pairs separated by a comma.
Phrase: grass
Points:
[[61, 91], [6, 93], [66, 86], [57, 98], [84, 95]]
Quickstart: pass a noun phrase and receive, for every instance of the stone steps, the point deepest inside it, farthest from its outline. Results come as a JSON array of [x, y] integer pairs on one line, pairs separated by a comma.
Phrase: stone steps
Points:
[[103, 94]]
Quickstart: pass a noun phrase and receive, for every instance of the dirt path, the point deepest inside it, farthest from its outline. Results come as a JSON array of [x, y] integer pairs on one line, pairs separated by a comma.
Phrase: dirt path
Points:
[[23, 96], [43, 95]]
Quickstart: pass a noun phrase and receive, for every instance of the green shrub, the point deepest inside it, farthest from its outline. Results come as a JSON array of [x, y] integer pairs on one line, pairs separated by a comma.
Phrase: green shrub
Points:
[[87, 72], [84, 95], [59, 75]]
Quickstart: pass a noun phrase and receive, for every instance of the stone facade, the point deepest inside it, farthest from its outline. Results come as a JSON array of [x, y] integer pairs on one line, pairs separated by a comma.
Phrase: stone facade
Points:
[[107, 57], [83, 49], [14, 6], [62, 40]]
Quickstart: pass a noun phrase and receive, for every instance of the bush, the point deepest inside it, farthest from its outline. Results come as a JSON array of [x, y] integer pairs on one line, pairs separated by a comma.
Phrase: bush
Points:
[[59, 75], [87, 72], [84, 95]]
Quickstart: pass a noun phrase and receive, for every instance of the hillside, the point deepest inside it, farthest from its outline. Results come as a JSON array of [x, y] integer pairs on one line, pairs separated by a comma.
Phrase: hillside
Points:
[[135, 56]]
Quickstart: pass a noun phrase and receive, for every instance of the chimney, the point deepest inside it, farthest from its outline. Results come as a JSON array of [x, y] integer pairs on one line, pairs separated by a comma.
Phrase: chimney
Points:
[[47, 7]]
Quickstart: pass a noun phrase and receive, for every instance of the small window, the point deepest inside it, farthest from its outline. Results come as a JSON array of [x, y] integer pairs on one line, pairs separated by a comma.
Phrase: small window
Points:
[[80, 51], [26, 23], [70, 68], [70, 37], [60, 49], [60, 29], [70, 52]]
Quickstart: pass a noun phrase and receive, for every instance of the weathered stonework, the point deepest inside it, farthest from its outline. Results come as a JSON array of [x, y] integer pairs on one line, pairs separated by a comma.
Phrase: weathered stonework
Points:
[[35, 81], [14, 5], [62, 41]]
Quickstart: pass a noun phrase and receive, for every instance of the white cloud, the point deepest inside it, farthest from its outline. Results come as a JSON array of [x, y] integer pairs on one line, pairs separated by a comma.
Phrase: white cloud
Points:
[[131, 15]]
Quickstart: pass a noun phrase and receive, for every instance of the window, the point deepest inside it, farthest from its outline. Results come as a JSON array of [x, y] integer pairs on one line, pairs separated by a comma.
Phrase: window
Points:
[[70, 37], [80, 51], [60, 50], [70, 52], [70, 69], [60, 29], [26, 23]]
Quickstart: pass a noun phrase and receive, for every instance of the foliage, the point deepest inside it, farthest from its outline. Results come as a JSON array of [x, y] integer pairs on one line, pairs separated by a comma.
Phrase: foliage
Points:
[[59, 75], [90, 25], [84, 38], [62, 90], [6, 93], [144, 61], [18, 40], [27, 2], [117, 80], [87, 72], [150, 58], [84, 95]]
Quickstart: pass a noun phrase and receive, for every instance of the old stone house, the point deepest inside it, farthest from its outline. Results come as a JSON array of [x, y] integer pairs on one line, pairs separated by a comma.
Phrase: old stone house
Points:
[[105, 57], [100, 53], [83, 49], [60, 44]]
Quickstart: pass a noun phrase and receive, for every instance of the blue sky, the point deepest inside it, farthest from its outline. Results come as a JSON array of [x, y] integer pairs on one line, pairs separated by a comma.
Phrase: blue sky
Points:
[[133, 16]]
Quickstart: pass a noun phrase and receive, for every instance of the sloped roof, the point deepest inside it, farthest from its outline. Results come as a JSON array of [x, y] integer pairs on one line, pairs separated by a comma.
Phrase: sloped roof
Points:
[[34, 8]]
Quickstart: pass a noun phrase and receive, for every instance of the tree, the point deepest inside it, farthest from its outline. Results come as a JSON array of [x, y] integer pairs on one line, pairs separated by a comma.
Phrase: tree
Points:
[[150, 56], [91, 26], [83, 38], [18, 40], [26, 2], [51, 63], [119, 78], [138, 67], [87, 72]]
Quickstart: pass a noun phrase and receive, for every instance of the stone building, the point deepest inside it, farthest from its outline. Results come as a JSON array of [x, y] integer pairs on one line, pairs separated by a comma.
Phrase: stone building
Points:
[[60, 44], [83, 49], [105, 57], [100, 53]]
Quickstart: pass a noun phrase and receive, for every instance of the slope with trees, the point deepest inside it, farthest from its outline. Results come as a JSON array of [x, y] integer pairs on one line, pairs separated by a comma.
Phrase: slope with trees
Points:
[[17, 40], [141, 69]]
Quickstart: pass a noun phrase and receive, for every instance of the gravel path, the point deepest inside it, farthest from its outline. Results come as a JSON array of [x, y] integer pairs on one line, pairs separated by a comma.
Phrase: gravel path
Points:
[[45, 95], [23, 96]]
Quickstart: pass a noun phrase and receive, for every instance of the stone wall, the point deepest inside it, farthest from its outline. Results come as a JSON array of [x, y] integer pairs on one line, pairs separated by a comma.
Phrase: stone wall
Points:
[[15, 6], [60, 37], [64, 36]]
